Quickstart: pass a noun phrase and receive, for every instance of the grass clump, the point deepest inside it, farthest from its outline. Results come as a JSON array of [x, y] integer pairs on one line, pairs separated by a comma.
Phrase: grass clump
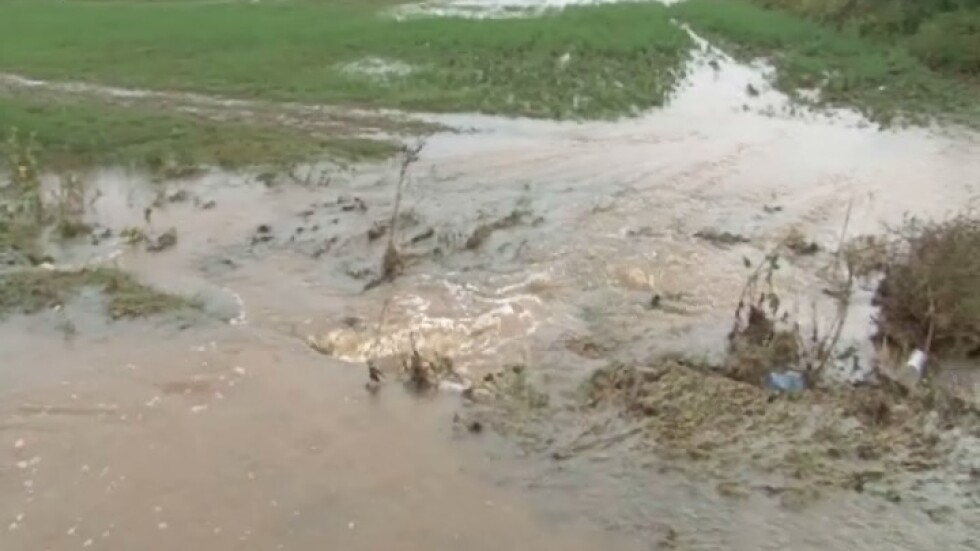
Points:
[[30, 291], [930, 295], [596, 61], [881, 79]]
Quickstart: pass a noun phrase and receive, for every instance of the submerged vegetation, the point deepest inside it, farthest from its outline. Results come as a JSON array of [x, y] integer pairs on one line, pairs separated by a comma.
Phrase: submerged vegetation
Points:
[[30, 291], [74, 132], [28, 215]]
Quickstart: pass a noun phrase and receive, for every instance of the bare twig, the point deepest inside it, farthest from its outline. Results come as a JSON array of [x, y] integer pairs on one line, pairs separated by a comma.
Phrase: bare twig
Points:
[[392, 262]]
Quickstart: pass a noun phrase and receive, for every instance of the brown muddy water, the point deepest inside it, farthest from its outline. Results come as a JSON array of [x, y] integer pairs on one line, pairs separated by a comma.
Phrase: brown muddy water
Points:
[[227, 431]]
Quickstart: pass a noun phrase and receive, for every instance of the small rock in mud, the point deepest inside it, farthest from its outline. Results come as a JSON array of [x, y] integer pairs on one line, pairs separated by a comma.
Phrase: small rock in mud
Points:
[[427, 234], [353, 322], [179, 196], [797, 243], [378, 230], [484, 231], [349, 204], [480, 395], [267, 178], [208, 205], [772, 209], [263, 234], [721, 238], [163, 242]]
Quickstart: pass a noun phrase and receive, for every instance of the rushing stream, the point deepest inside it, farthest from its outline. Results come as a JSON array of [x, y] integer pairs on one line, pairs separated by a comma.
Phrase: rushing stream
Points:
[[533, 243]]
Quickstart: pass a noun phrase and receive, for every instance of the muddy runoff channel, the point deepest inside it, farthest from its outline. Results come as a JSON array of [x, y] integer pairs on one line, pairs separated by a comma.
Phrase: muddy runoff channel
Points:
[[532, 254]]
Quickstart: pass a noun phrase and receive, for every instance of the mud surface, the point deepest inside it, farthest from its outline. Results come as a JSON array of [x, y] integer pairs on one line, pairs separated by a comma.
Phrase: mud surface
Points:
[[559, 247]]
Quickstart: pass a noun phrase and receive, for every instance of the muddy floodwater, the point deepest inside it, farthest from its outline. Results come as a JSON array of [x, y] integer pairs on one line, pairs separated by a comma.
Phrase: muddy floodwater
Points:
[[533, 243]]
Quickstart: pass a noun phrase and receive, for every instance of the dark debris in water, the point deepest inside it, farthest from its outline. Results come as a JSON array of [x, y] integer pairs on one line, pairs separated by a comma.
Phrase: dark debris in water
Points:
[[352, 204], [484, 231], [162, 242], [721, 238], [798, 244], [427, 234], [377, 231]]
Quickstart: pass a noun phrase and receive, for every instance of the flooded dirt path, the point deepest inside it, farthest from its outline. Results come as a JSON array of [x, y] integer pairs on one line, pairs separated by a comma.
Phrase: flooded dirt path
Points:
[[533, 243]]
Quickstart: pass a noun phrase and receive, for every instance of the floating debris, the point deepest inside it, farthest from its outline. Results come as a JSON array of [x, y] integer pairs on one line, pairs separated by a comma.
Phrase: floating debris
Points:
[[722, 238], [164, 241]]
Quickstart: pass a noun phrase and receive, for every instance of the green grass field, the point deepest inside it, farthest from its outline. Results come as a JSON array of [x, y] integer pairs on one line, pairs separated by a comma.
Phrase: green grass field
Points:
[[621, 57], [585, 62]]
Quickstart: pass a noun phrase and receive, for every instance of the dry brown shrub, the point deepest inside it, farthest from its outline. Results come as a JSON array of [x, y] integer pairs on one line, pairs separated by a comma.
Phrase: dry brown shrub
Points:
[[930, 295]]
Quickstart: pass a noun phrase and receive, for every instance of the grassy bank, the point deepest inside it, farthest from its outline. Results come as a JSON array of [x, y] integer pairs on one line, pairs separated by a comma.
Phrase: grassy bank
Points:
[[582, 62], [880, 78], [73, 132]]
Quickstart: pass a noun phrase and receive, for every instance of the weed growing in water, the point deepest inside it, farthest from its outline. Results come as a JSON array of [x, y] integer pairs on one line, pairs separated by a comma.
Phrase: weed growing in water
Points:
[[70, 207], [28, 213], [23, 218]]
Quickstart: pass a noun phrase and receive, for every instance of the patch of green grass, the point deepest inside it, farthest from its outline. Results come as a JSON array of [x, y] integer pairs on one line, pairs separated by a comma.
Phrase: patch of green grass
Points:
[[79, 132], [883, 81], [30, 291], [617, 58], [945, 34]]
